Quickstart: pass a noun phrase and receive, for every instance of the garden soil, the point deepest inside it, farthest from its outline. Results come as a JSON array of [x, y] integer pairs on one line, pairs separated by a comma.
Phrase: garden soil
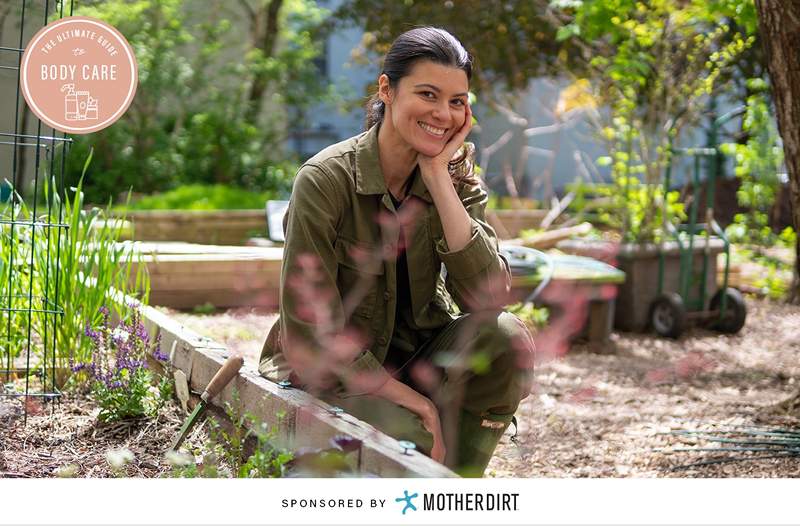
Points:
[[609, 410]]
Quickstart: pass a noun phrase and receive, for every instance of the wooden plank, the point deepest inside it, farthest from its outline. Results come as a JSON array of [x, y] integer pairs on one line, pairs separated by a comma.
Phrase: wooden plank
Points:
[[306, 421], [222, 299]]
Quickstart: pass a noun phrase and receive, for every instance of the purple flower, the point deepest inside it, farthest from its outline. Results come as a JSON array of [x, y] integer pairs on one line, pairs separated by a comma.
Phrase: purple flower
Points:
[[160, 356]]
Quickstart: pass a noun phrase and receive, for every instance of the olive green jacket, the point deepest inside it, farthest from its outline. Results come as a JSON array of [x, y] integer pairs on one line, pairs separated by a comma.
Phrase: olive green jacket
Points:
[[338, 269]]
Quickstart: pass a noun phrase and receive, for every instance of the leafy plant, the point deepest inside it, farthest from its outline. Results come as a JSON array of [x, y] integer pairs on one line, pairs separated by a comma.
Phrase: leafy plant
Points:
[[627, 211], [653, 66], [758, 162], [202, 197], [534, 317], [73, 267], [120, 380], [214, 87], [223, 455]]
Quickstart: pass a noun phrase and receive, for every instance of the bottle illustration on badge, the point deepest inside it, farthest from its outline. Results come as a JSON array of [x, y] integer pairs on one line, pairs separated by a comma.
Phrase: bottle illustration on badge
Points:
[[79, 105]]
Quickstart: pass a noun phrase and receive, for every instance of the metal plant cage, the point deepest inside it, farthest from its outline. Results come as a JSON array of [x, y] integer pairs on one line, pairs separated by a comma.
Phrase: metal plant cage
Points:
[[31, 224]]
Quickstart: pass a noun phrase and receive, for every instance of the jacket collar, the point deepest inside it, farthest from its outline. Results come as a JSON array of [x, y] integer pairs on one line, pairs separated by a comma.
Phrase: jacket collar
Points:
[[369, 177]]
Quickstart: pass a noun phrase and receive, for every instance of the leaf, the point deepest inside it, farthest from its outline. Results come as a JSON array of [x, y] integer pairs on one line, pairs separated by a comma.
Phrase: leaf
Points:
[[567, 31], [87, 163]]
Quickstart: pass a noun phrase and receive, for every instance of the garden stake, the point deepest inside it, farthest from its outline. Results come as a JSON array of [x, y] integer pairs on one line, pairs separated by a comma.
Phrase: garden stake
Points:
[[226, 373]]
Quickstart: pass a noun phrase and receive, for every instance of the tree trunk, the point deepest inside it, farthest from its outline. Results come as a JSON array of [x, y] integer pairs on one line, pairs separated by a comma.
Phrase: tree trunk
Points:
[[779, 27], [264, 35]]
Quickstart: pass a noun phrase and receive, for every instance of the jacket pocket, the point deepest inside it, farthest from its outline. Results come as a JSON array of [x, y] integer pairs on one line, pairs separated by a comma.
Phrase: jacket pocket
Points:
[[360, 271]]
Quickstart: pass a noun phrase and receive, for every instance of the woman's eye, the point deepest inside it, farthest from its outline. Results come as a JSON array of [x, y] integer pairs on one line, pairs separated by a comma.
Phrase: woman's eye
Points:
[[428, 95], [457, 102]]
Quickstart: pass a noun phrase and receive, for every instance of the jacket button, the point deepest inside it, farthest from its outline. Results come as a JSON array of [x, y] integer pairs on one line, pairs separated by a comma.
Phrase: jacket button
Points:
[[382, 340], [387, 295]]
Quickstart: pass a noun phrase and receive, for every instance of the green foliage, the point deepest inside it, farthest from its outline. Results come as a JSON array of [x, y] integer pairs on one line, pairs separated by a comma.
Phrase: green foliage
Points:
[[513, 41], [504, 202], [224, 452], [201, 197], [534, 317], [84, 261], [757, 164], [205, 308], [627, 206], [654, 66], [210, 104]]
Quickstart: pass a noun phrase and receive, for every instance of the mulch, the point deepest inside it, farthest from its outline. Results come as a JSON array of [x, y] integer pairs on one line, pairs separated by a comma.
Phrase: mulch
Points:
[[614, 411], [65, 438]]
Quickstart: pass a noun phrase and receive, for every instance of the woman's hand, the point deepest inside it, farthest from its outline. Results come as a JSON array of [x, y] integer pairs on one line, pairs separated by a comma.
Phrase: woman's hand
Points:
[[428, 165], [403, 395]]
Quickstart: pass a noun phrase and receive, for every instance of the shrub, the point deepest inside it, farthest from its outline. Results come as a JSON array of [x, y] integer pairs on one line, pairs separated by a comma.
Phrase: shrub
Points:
[[202, 197]]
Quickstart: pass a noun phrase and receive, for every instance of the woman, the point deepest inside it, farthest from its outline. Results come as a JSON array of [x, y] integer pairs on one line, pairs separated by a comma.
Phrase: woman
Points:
[[392, 284]]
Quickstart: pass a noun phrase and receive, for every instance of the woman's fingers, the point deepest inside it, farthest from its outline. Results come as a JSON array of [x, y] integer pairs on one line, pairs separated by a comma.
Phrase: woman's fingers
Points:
[[434, 427], [438, 451]]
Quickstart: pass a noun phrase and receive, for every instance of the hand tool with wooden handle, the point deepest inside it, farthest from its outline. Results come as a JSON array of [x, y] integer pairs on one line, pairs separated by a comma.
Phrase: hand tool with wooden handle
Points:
[[226, 373]]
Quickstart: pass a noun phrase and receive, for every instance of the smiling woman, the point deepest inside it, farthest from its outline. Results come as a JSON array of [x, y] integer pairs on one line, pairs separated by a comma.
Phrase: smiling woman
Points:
[[392, 285]]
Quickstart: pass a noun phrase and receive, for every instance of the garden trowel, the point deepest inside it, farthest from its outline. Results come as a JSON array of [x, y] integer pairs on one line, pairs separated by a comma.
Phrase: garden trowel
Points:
[[226, 373]]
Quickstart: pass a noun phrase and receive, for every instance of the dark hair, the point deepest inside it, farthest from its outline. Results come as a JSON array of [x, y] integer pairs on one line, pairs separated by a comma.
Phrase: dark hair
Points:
[[422, 43], [436, 45]]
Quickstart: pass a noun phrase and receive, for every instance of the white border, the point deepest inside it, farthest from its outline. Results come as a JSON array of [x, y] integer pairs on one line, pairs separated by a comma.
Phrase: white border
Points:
[[123, 43], [541, 501]]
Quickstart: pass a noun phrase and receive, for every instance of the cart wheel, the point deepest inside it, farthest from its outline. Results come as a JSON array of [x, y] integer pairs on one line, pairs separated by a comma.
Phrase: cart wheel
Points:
[[735, 311], [668, 315]]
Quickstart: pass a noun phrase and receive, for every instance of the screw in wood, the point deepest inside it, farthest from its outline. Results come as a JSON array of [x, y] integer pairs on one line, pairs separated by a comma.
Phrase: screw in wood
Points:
[[407, 445]]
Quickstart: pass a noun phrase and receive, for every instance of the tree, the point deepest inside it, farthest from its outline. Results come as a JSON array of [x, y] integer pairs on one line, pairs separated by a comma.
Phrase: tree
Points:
[[211, 102], [779, 23]]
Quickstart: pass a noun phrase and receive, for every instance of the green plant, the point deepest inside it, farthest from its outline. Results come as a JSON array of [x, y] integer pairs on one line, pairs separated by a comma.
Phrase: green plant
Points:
[[534, 317], [74, 267], [120, 380], [224, 452], [201, 197], [653, 66], [639, 212], [205, 308], [757, 164], [217, 89]]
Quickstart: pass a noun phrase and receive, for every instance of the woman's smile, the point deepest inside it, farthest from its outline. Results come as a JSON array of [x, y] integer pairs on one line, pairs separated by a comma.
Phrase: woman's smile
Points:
[[433, 130]]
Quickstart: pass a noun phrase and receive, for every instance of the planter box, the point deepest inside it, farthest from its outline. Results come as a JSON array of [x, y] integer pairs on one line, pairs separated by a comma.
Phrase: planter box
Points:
[[306, 421], [509, 223], [210, 227], [640, 264], [184, 275]]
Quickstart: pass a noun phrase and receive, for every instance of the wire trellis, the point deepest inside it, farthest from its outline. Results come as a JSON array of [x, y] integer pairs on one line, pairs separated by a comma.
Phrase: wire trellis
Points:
[[31, 229]]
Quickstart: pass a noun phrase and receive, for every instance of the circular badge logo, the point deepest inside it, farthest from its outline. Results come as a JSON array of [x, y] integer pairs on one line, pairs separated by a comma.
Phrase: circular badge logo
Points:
[[78, 75]]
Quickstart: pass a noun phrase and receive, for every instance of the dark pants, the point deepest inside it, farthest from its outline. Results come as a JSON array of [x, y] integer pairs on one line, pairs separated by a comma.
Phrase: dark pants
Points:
[[476, 370]]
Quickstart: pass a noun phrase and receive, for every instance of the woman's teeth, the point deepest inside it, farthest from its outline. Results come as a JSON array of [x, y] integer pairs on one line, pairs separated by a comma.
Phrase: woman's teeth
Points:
[[431, 129]]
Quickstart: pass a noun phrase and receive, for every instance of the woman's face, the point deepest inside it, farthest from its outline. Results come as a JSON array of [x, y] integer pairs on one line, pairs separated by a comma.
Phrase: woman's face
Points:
[[427, 106]]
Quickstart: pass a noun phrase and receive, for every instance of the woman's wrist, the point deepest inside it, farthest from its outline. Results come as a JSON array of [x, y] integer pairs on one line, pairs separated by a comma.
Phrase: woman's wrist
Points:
[[399, 393]]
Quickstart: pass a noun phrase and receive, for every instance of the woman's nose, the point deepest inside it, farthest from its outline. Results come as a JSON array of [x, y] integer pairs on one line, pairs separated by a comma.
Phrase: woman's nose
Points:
[[441, 113]]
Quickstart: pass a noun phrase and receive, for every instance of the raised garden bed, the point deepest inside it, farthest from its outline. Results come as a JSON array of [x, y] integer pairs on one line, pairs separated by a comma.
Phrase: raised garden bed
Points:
[[225, 227]]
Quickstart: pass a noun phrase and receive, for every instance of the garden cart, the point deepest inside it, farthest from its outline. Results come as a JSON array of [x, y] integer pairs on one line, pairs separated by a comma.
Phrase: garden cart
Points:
[[725, 311]]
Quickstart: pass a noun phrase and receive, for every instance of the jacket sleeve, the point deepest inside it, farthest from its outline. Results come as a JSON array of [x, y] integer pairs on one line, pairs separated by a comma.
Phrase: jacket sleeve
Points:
[[478, 276], [311, 312]]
